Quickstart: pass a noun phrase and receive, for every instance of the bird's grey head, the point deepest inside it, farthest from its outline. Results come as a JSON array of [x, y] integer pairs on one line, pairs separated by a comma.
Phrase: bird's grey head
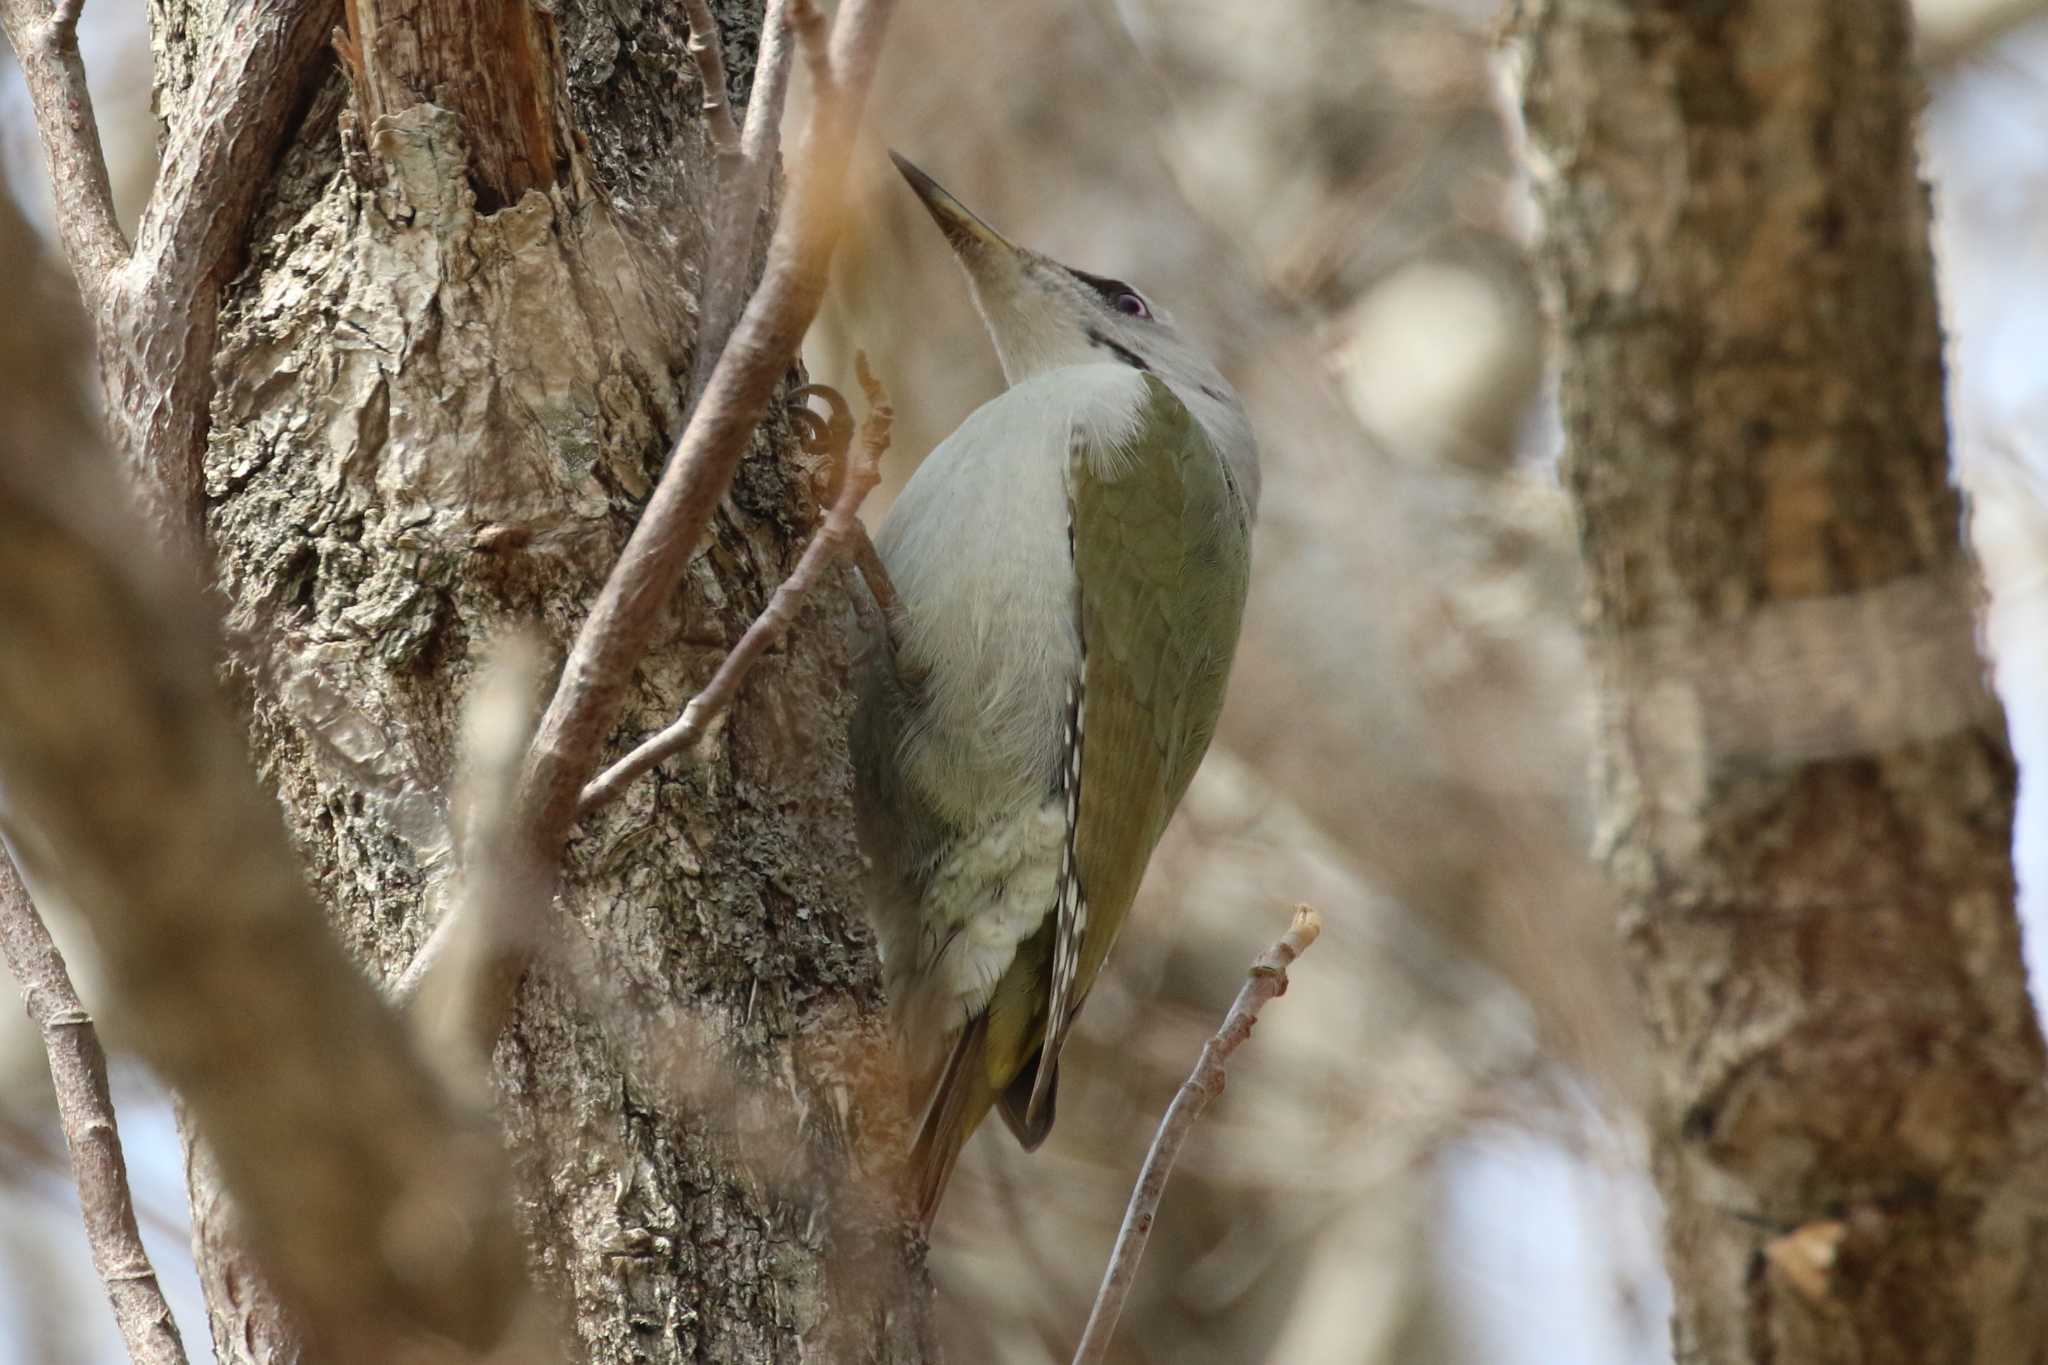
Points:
[[1041, 314]]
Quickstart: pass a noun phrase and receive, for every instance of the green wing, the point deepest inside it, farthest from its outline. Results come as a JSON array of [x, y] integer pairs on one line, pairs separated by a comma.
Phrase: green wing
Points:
[[1161, 556]]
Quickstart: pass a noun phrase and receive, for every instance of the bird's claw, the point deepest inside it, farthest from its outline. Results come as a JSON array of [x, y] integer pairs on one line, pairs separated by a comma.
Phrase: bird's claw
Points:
[[827, 436]]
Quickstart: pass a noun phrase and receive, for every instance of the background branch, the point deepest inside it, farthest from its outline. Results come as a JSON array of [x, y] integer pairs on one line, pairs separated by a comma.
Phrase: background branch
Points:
[[1951, 32], [1267, 979], [85, 1108]]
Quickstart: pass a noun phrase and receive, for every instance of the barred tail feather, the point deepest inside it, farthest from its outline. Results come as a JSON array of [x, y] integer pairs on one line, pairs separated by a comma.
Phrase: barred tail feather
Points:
[[959, 1100]]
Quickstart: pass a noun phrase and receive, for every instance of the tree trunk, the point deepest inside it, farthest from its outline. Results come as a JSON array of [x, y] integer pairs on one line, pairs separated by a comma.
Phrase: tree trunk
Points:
[[1806, 792], [445, 381]]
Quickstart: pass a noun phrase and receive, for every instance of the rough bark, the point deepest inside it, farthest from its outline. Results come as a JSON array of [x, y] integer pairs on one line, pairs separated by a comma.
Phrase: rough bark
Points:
[[1805, 790], [435, 419], [490, 66]]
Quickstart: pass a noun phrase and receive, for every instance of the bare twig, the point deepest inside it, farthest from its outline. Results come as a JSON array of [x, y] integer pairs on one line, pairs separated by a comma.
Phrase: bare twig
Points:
[[78, 1072], [1267, 979], [742, 189], [45, 42], [708, 52], [830, 544], [586, 705], [831, 437]]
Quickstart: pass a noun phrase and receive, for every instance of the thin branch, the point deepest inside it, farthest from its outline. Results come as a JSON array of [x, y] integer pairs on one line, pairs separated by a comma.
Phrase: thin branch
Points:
[[707, 50], [832, 542], [599, 670], [1267, 979], [85, 1107], [45, 42], [742, 190]]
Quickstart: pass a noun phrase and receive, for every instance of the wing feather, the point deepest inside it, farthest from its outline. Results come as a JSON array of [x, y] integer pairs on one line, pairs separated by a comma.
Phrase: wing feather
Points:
[[1070, 916], [1161, 559]]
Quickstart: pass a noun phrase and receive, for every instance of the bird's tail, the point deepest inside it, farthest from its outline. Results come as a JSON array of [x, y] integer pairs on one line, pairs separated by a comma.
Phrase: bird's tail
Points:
[[958, 1101]]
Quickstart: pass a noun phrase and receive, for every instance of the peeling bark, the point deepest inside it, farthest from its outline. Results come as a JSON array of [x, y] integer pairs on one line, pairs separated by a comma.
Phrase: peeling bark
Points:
[[491, 66], [1806, 791], [436, 415]]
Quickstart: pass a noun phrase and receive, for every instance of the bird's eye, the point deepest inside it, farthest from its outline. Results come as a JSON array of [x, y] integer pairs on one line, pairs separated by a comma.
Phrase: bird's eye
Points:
[[1115, 293]]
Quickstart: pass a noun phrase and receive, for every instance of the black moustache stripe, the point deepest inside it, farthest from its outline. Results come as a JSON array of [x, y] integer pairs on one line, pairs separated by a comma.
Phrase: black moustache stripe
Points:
[[1118, 349]]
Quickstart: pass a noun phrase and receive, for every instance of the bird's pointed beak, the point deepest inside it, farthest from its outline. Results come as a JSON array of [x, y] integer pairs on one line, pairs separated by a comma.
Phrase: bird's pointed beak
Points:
[[972, 240], [1018, 312]]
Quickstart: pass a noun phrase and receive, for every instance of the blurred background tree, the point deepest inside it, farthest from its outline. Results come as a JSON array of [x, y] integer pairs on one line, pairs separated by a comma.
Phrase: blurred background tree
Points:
[[1805, 790]]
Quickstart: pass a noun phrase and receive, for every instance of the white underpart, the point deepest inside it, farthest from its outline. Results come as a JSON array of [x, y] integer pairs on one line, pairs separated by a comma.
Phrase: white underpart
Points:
[[988, 590], [990, 895]]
